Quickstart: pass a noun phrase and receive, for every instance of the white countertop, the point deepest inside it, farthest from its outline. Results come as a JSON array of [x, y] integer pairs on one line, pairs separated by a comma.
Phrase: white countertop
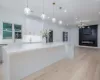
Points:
[[25, 47]]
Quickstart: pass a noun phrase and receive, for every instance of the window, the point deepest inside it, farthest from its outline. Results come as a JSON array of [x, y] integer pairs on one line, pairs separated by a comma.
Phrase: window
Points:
[[11, 31], [7, 31], [18, 31], [65, 36]]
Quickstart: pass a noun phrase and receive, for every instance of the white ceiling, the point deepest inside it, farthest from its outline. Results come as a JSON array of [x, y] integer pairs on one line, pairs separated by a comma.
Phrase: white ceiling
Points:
[[83, 9]]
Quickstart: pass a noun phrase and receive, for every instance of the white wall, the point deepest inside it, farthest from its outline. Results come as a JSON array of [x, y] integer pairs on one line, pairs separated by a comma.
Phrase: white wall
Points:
[[98, 35], [57, 31], [33, 26], [29, 24], [10, 17], [74, 38]]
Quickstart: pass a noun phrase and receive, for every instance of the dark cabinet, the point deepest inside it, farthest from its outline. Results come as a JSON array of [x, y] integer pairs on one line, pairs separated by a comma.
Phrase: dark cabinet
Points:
[[51, 36], [65, 36], [88, 35]]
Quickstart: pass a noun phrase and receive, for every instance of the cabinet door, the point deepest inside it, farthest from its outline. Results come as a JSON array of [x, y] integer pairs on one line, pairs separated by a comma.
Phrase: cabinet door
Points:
[[51, 36], [18, 31], [65, 36], [7, 31]]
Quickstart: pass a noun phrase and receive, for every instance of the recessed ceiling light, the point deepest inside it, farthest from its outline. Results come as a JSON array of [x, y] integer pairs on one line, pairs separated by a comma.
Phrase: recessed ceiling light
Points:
[[97, 0], [76, 18], [48, 17], [67, 24], [60, 22], [99, 12], [65, 10]]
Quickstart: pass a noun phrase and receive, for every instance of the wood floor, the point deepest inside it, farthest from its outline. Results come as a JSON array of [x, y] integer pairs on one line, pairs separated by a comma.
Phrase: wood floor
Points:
[[85, 66]]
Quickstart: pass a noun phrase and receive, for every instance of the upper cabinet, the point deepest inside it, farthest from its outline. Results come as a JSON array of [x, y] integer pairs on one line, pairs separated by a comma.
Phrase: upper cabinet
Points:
[[7, 31]]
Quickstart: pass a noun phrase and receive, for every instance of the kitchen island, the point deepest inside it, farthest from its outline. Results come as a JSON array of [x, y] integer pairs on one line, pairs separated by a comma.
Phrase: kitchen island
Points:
[[1, 45], [21, 60]]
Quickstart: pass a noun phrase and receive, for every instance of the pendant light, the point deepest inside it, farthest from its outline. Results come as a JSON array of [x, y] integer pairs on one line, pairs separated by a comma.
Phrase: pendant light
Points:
[[27, 10], [43, 16], [53, 19], [60, 22]]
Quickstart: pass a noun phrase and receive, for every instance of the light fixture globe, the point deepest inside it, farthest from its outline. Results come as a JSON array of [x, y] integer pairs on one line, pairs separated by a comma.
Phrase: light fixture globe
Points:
[[27, 11], [60, 22], [43, 16], [53, 20]]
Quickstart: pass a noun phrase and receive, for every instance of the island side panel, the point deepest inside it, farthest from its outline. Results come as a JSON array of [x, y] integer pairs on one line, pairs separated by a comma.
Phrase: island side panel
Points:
[[25, 63], [6, 65]]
